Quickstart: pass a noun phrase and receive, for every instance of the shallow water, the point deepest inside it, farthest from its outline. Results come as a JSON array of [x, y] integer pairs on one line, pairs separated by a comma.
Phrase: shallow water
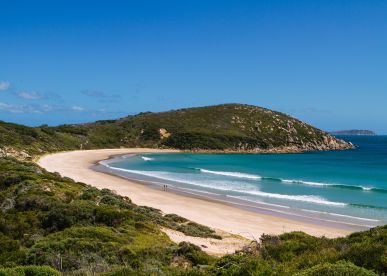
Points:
[[349, 186]]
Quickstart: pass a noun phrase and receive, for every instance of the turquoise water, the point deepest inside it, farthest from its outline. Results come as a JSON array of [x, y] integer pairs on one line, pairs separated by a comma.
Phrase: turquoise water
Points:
[[348, 186]]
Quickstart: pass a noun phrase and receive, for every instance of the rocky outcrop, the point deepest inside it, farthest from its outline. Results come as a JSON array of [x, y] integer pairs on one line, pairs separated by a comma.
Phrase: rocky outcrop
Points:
[[11, 152]]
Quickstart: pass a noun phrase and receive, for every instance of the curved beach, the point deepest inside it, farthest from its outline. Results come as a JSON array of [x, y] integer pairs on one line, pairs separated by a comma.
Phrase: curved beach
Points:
[[78, 166]]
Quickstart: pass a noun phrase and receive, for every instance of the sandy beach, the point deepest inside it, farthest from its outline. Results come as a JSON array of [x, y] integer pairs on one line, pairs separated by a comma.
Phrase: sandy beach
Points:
[[222, 217]]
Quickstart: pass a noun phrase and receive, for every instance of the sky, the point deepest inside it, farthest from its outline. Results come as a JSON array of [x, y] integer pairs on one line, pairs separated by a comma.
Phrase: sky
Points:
[[324, 62]]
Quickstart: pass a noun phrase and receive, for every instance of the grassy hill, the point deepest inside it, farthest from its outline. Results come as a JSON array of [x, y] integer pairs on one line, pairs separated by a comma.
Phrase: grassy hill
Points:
[[51, 225], [229, 127]]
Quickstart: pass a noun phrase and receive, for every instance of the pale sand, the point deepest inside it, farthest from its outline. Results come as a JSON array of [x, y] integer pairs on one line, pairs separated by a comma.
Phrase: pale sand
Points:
[[227, 245], [251, 225]]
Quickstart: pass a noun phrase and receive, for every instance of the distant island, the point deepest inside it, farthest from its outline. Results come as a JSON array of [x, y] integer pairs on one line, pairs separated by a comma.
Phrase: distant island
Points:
[[354, 132]]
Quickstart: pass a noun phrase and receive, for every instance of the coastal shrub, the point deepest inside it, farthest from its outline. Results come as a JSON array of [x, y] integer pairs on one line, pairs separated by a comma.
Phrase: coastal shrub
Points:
[[203, 140], [150, 133], [33, 201], [161, 270], [19, 225], [29, 271], [10, 251], [176, 218], [110, 198], [60, 217], [288, 245], [341, 268], [9, 179], [197, 230], [72, 227], [71, 129], [49, 220], [78, 247], [193, 253], [48, 130], [367, 249], [89, 193], [111, 216], [125, 271], [241, 264]]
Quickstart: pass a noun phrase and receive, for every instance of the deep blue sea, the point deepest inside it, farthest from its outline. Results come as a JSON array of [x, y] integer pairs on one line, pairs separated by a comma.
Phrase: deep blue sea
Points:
[[349, 186]]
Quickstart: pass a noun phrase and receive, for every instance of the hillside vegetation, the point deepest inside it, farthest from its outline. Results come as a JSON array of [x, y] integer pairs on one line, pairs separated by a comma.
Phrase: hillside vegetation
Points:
[[49, 220], [229, 127], [50, 224]]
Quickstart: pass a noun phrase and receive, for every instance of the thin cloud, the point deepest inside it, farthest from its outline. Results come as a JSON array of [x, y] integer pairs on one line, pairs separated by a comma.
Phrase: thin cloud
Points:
[[38, 108], [4, 85], [30, 95], [77, 108], [16, 108]]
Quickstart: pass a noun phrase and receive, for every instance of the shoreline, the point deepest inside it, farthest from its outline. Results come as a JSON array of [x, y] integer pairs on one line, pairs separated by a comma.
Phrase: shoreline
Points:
[[249, 224], [256, 207]]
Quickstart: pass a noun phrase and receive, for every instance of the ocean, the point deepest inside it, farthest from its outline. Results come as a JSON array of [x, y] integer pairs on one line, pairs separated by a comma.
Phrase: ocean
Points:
[[345, 187]]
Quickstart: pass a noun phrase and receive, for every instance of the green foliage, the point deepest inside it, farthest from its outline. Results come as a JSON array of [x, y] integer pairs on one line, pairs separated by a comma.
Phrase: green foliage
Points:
[[341, 268], [197, 230], [297, 253], [368, 249], [194, 254], [49, 220], [242, 264], [176, 218], [212, 141], [30, 270]]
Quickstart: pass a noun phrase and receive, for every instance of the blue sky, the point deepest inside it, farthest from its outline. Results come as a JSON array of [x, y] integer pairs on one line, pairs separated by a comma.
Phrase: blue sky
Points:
[[324, 62]]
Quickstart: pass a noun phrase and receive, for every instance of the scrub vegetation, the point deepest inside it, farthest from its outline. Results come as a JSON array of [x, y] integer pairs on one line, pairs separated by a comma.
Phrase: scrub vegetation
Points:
[[51, 225]]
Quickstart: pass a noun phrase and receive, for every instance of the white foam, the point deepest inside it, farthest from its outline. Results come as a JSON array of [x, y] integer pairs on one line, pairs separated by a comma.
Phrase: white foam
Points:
[[232, 174], [339, 215], [220, 186], [304, 198], [259, 202], [167, 176], [304, 182], [311, 183], [147, 158]]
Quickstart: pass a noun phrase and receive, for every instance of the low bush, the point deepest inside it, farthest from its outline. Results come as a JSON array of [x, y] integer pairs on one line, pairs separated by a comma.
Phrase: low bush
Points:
[[341, 268], [29, 271]]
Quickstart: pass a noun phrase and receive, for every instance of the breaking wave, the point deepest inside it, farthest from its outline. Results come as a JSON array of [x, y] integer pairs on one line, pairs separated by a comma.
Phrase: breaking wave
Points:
[[232, 174], [341, 186], [147, 158], [293, 181], [220, 185]]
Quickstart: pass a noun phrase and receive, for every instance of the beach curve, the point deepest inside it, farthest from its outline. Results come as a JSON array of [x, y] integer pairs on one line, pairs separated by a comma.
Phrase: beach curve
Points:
[[223, 217]]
